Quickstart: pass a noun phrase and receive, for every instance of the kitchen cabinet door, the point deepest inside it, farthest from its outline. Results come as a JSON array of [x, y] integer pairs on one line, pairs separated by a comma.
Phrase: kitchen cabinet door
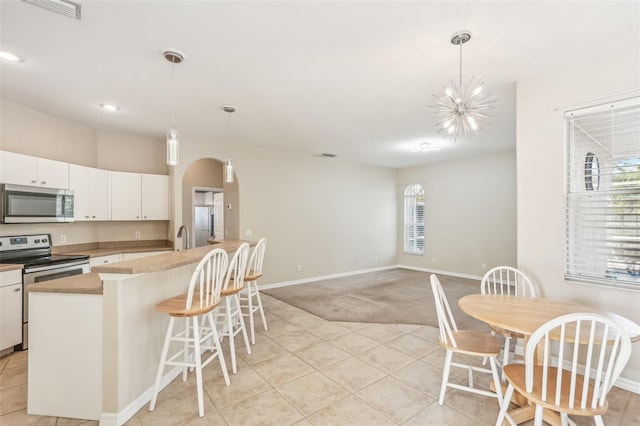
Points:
[[91, 193], [18, 169], [23, 169], [105, 260], [100, 204], [10, 308], [155, 197], [125, 196], [80, 184], [53, 174]]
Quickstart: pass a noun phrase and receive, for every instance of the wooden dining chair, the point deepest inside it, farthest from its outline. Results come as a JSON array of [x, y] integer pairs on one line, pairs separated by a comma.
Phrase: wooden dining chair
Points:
[[195, 307], [571, 363], [508, 281], [467, 342]]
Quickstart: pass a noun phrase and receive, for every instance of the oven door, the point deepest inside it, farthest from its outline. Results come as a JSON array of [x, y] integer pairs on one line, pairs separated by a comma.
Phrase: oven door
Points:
[[45, 273]]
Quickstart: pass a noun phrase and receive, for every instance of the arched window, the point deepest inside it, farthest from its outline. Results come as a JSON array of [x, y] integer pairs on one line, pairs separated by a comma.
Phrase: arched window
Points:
[[414, 219]]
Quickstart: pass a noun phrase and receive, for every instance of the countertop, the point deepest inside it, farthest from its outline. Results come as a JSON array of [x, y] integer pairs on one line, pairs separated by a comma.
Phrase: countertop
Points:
[[9, 266], [165, 262], [97, 252], [79, 284], [92, 284]]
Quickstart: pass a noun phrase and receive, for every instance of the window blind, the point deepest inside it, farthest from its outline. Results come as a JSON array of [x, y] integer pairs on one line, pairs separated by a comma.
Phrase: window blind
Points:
[[414, 219], [603, 194]]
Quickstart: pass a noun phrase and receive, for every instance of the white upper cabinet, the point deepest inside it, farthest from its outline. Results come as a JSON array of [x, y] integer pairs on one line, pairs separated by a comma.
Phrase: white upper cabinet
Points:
[[23, 169], [92, 194], [126, 196], [155, 197], [136, 196]]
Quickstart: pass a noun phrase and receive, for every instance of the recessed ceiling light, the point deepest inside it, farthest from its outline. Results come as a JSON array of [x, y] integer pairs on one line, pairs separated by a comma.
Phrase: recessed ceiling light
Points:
[[110, 107], [8, 56]]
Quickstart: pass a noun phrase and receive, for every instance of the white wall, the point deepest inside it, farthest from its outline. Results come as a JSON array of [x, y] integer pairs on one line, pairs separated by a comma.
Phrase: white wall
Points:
[[541, 165], [470, 213]]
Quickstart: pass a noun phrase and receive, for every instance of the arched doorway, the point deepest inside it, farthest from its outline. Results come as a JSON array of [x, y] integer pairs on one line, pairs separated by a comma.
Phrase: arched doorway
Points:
[[202, 186]]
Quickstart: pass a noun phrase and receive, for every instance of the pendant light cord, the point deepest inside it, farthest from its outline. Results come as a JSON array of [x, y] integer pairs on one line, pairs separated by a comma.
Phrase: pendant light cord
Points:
[[173, 94], [460, 43]]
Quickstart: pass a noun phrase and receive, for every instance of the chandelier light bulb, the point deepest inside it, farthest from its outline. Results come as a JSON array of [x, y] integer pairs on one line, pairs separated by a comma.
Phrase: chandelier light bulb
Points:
[[477, 90], [446, 124], [448, 92]]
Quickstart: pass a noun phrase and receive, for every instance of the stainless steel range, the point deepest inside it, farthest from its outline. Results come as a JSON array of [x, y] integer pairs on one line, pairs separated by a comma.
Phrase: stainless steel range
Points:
[[34, 253]]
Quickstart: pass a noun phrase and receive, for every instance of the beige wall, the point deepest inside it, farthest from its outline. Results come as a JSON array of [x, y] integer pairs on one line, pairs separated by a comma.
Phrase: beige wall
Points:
[[328, 215], [541, 166], [27, 131], [470, 213]]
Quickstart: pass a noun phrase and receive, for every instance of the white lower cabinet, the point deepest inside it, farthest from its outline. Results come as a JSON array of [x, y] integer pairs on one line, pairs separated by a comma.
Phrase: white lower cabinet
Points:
[[10, 308], [129, 256], [104, 260]]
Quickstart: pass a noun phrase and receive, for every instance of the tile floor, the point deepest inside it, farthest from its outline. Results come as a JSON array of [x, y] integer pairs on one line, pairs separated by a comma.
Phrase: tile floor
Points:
[[309, 371]]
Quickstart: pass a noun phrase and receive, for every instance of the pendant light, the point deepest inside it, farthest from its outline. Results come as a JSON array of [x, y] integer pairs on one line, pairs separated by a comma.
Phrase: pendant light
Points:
[[228, 174], [173, 144], [464, 104]]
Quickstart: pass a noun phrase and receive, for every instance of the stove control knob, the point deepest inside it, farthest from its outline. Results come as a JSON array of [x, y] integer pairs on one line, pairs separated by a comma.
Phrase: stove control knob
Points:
[[36, 241]]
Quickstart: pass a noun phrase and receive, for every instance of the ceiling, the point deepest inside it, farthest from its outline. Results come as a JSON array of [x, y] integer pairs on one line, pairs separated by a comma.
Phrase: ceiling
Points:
[[352, 78]]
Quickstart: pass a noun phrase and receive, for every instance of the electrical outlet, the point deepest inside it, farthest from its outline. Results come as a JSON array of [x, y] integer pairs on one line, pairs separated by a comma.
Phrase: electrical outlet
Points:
[[137, 234], [248, 233], [63, 238], [299, 268]]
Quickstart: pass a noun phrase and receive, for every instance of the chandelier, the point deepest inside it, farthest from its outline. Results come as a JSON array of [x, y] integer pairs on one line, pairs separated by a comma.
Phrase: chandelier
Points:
[[464, 104]]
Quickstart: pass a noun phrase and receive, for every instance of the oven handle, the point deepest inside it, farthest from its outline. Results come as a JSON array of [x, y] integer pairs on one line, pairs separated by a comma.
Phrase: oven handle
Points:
[[60, 266]]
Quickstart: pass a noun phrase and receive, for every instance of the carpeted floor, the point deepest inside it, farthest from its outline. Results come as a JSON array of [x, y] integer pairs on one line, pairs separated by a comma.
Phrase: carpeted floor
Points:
[[394, 296]]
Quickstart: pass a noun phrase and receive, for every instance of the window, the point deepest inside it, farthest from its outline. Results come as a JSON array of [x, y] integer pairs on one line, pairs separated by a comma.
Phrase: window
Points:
[[414, 220], [603, 194]]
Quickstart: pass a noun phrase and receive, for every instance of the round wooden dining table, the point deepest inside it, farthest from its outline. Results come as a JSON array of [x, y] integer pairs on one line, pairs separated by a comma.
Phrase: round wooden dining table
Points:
[[524, 315]]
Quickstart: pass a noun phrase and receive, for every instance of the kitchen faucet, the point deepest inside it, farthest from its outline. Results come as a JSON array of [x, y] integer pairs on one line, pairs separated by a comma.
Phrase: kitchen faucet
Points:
[[183, 232]]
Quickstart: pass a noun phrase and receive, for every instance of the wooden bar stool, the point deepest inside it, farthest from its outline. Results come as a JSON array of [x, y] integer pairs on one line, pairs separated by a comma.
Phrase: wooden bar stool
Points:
[[231, 318], [195, 307], [251, 291]]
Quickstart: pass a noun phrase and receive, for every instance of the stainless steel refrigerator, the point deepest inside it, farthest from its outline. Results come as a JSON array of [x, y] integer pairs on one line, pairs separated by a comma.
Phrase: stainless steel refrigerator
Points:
[[204, 225]]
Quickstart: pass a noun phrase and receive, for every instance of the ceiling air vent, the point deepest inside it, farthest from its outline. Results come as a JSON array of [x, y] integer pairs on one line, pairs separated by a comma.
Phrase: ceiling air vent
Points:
[[328, 155], [63, 7]]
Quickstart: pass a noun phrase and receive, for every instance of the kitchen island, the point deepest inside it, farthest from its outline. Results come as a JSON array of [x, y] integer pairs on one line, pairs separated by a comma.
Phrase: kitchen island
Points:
[[95, 339]]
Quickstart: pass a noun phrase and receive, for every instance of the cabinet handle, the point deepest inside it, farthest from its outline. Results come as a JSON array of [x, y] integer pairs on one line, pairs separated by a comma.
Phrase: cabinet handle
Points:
[[137, 217], [86, 217], [93, 217], [43, 182], [105, 261], [17, 289], [145, 217], [33, 181]]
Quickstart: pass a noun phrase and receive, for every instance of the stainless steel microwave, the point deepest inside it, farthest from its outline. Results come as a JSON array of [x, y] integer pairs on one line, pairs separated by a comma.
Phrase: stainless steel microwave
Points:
[[32, 204]]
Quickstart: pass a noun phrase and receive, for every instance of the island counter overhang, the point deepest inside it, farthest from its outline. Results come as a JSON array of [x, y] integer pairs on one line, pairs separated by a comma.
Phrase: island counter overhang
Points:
[[104, 346]]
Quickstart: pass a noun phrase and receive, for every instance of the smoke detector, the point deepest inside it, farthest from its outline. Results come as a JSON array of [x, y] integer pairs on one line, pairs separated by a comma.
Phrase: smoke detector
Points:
[[62, 7]]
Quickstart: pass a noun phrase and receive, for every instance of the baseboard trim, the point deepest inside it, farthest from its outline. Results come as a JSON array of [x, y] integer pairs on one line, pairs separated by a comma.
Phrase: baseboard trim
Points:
[[120, 418], [437, 271], [324, 277]]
